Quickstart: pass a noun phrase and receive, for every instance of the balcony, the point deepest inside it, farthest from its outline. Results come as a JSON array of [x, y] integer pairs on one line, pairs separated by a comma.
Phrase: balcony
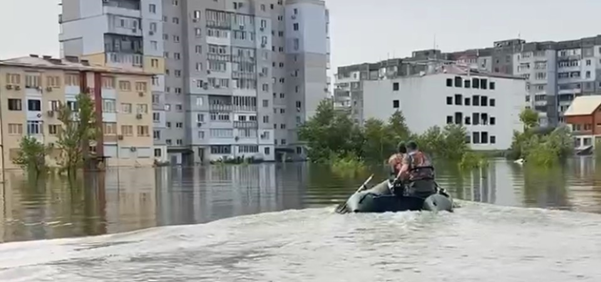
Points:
[[245, 108], [123, 8], [124, 59], [245, 124], [219, 24], [220, 108]]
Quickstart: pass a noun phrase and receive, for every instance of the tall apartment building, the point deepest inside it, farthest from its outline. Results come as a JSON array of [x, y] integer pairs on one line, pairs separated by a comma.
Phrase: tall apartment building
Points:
[[556, 72], [234, 78], [32, 89]]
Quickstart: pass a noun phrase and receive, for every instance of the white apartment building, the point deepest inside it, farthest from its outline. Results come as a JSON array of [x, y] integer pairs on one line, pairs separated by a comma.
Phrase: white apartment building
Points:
[[487, 105]]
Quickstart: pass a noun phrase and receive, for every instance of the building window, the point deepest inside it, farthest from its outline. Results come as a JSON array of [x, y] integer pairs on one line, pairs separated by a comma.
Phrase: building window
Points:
[[15, 105], [493, 140], [467, 83], [157, 153], [449, 100], [295, 26], [53, 129], [476, 100], [449, 119], [492, 87], [395, 86], [466, 101], [468, 121], [458, 99], [34, 105], [483, 101], [475, 84], [458, 81], [475, 118], [449, 82], [476, 137], [484, 137], [483, 83], [493, 121], [395, 104], [152, 8], [15, 129], [491, 102], [34, 127], [458, 118]]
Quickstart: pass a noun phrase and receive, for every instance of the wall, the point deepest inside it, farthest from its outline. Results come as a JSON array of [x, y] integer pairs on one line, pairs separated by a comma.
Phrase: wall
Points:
[[423, 103]]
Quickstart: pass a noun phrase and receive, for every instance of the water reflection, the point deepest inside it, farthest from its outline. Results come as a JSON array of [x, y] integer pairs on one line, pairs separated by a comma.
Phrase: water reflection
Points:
[[125, 200]]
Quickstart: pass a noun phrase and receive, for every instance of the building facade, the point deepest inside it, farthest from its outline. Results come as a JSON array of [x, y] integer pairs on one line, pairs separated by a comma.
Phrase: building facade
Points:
[[584, 118], [234, 78], [555, 72], [33, 88], [487, 105]]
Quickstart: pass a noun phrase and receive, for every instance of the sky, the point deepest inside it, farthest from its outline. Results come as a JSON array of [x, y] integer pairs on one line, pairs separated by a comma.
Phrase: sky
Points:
[[365, 31]]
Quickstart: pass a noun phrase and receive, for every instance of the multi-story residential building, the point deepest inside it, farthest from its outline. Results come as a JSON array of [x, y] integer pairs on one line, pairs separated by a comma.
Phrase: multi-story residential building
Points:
[[556, 72], [488, 105], [32, 89], [239, 76]]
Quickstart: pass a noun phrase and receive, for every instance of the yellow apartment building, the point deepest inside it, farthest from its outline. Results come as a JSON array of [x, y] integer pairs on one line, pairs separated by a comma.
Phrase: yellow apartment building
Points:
[[32, 88]]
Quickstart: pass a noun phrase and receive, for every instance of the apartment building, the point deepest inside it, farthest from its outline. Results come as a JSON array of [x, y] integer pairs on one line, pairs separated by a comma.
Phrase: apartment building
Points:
[[32, 89], [556, 71], [487, 104], [235, 78]]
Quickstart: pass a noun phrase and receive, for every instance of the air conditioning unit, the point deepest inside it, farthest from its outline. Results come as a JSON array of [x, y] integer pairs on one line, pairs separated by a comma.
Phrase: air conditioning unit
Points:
[[151, 33], [241, 27], [262, 29], [9, 87], [141, 94], [48, 89], [208, 72], [17, 87], [262, 45], [261, 74], [120, 137], [50, 113], [139, 116], [199, 124]]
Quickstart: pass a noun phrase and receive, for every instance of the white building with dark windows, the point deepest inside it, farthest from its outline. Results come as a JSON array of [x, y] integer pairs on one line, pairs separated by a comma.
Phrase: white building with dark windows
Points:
[[488, 105]]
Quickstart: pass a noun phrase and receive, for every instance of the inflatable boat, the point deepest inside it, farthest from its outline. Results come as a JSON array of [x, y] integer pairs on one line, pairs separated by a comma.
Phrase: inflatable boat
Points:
[[380, 199]]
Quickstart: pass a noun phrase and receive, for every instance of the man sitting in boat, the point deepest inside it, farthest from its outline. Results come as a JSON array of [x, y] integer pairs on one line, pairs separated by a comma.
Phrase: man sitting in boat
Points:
[[416, 172], [396, 160]]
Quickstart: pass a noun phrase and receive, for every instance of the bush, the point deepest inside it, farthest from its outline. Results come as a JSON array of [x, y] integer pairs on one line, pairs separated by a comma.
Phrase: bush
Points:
[[347, 165], [472, 160]]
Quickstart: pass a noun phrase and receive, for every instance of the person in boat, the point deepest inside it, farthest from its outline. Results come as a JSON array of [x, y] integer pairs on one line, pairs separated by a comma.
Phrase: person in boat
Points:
[[395, 162], [417, 172]]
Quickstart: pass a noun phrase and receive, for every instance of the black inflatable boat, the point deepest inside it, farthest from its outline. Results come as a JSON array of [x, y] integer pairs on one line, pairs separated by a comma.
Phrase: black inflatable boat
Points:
[[380, 199]]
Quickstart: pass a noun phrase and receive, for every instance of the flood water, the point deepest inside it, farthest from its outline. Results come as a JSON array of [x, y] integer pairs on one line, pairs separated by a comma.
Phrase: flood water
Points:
[[289, 232]]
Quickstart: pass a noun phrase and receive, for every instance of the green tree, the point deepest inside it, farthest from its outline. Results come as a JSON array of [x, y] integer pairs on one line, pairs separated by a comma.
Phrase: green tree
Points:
[[31, 156], [78, 128], [379, 140], [397, 127], [529, 118]]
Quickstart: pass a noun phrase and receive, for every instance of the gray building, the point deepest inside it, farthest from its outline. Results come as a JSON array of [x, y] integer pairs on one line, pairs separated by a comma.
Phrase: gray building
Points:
[[234, 78], [556, 72]]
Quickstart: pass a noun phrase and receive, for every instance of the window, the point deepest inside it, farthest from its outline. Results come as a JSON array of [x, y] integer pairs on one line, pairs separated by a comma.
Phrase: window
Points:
[[168, 142], [458, 99], [109, 128], [157, 153], [179, 124], [467, 83], [484, 137], [154, 63], [475, 137], [265, 103], [493, 121], [483, 83], [483, 101], [295, 26], [32, 81], [475, 118], [221, 149], [466, 101], [108, 82], [458, 118], [476, 100], [127, 130], [141, 108], [34, 105], [395, 86], [491, 102], [126, 108], [449, 100], [108, 106], [458, 81], [265, 119], [15, 129], [492, 87], [15, 105], [449, 119], [143, 130], [395, 104], [468, 121], [197, 32], [156, 117], [53, 81], [449, 82], [475, 84], [34, 127], [493, 140], [125, 85], [152, 8], [72, 79]]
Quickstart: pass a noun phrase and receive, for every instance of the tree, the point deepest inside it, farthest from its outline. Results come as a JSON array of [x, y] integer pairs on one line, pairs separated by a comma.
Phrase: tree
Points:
[[379, 140], [32, 155], [529, 118], [398, 127], [78, 127]]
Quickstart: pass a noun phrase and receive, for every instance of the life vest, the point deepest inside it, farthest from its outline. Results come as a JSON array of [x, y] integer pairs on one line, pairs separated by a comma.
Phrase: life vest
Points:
[[420, 167]]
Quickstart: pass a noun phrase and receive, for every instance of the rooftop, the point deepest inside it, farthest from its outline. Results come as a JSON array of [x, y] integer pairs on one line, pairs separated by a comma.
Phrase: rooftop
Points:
[[583, 105], [68, 64]]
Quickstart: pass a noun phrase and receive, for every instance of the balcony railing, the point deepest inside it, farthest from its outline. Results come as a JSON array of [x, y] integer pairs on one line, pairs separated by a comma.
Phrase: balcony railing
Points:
[[245, 124], [220, 108]]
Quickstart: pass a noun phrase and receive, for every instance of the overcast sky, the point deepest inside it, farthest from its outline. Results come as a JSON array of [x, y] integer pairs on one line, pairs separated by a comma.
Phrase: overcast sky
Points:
[[366, 30]]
